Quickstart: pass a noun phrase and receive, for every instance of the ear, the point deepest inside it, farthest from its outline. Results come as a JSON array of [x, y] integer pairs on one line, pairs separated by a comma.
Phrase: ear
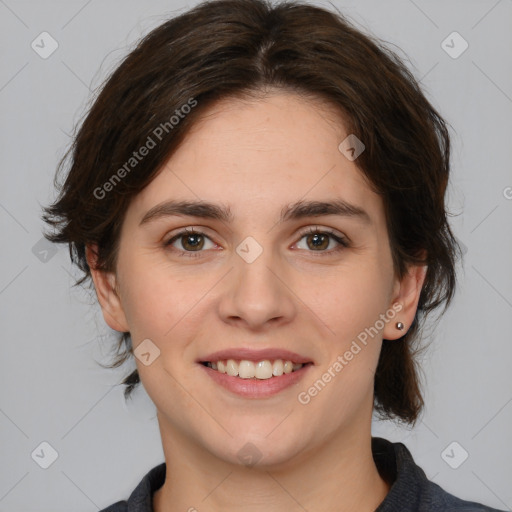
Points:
[[406, 294], [105, 285]]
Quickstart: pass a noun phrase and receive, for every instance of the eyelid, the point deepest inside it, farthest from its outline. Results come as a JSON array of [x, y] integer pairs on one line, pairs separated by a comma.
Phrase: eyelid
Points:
[[329, 231]]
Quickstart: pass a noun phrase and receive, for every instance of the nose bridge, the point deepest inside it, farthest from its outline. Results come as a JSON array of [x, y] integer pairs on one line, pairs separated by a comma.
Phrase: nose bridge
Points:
[[255, 272], [257, 292]]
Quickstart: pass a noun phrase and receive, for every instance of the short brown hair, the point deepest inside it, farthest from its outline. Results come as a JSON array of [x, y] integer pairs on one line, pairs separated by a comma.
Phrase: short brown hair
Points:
[[240, 48]]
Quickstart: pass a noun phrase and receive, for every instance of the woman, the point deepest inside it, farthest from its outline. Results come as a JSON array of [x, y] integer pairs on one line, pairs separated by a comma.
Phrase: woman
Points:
[[258, 197]]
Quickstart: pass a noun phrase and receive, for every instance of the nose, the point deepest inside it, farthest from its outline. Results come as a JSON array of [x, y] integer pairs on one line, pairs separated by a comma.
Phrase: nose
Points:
[[258, 294]]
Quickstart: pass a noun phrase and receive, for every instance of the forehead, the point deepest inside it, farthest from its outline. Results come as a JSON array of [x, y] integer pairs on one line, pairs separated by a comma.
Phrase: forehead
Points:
[[262, 153]]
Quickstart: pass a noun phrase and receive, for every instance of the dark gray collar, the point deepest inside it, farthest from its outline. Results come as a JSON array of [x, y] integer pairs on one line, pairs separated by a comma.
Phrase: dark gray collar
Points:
[[410, 491]]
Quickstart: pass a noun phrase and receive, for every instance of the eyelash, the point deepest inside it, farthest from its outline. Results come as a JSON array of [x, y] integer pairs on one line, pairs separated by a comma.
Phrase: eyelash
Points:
[[343, 242]]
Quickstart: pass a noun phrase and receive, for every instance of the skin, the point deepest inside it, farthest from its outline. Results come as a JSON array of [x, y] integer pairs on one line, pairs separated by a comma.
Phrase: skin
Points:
[[258, 156]]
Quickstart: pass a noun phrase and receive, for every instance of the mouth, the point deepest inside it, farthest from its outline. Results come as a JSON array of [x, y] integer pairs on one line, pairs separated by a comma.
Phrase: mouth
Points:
[[255, 374], [264, 369], [255, 379]]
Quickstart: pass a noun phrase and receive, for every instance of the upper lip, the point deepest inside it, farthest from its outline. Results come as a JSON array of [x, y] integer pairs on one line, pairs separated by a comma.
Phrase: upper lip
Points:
[[248, 354]]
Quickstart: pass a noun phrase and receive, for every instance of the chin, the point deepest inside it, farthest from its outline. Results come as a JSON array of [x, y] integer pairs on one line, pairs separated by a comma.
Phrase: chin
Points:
[[258, 451]]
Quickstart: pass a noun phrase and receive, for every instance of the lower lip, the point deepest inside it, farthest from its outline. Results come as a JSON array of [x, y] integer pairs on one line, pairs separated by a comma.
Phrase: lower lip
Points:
[[256, 388]]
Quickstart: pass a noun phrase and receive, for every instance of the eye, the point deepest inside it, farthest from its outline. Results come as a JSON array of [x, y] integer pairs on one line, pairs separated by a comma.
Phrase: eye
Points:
[[318, 240], [191, 241], [194, 242]]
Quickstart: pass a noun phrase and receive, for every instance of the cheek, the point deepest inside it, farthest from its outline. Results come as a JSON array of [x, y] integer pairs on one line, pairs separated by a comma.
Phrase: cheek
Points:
[[351, 307], [146, 295], [347, 301], [159, 302]]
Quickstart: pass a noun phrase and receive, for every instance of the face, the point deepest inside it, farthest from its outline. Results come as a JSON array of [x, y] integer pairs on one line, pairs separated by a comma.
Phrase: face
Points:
[[270, 277]]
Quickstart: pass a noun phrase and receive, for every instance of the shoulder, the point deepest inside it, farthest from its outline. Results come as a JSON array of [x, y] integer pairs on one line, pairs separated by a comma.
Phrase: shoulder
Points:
[[437, 499], [411, 491], [120, 506], [141, 498]]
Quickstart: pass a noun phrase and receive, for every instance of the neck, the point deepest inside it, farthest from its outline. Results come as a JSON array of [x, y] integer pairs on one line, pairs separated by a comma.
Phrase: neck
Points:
[[338, 475]]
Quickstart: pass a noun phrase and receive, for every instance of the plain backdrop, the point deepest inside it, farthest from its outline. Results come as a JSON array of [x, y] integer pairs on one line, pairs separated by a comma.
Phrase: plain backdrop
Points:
[[52, 389]]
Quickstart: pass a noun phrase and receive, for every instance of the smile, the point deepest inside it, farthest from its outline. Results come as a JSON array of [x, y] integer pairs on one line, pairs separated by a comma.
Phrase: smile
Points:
[[255, 379], [245, 369]]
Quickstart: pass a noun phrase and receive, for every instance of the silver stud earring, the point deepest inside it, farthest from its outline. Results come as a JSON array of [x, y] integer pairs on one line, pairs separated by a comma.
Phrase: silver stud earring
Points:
[[399, 326]]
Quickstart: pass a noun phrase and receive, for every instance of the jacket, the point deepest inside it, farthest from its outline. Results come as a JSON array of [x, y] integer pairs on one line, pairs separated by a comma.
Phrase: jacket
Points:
[[410, 491]]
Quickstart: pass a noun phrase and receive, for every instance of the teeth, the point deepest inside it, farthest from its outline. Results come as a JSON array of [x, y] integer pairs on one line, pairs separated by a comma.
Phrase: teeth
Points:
[[231, 368], [278, 368], [249, 370], [246, 369], [262, 369]]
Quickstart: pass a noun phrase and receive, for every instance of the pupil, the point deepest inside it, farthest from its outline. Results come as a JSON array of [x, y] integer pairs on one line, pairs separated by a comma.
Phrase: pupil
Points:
[[317, 239], [193, 241]]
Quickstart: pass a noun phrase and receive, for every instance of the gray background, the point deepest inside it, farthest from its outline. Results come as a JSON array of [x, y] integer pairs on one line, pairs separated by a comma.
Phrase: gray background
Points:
[[51, 387]]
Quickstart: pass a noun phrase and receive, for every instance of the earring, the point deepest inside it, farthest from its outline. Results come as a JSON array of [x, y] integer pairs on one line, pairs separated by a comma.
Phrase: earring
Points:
[[399, 326]]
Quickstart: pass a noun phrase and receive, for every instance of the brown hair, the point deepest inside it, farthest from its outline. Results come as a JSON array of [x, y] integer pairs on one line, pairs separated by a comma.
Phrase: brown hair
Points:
[[240, 48]]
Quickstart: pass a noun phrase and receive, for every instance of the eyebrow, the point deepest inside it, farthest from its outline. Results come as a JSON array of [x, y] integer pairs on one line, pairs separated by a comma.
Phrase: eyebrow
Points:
[[294, 211]]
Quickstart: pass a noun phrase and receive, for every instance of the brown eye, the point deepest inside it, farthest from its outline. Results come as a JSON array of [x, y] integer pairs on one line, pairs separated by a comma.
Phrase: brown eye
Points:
[[319, 241], [192, 242], [188, 241]]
